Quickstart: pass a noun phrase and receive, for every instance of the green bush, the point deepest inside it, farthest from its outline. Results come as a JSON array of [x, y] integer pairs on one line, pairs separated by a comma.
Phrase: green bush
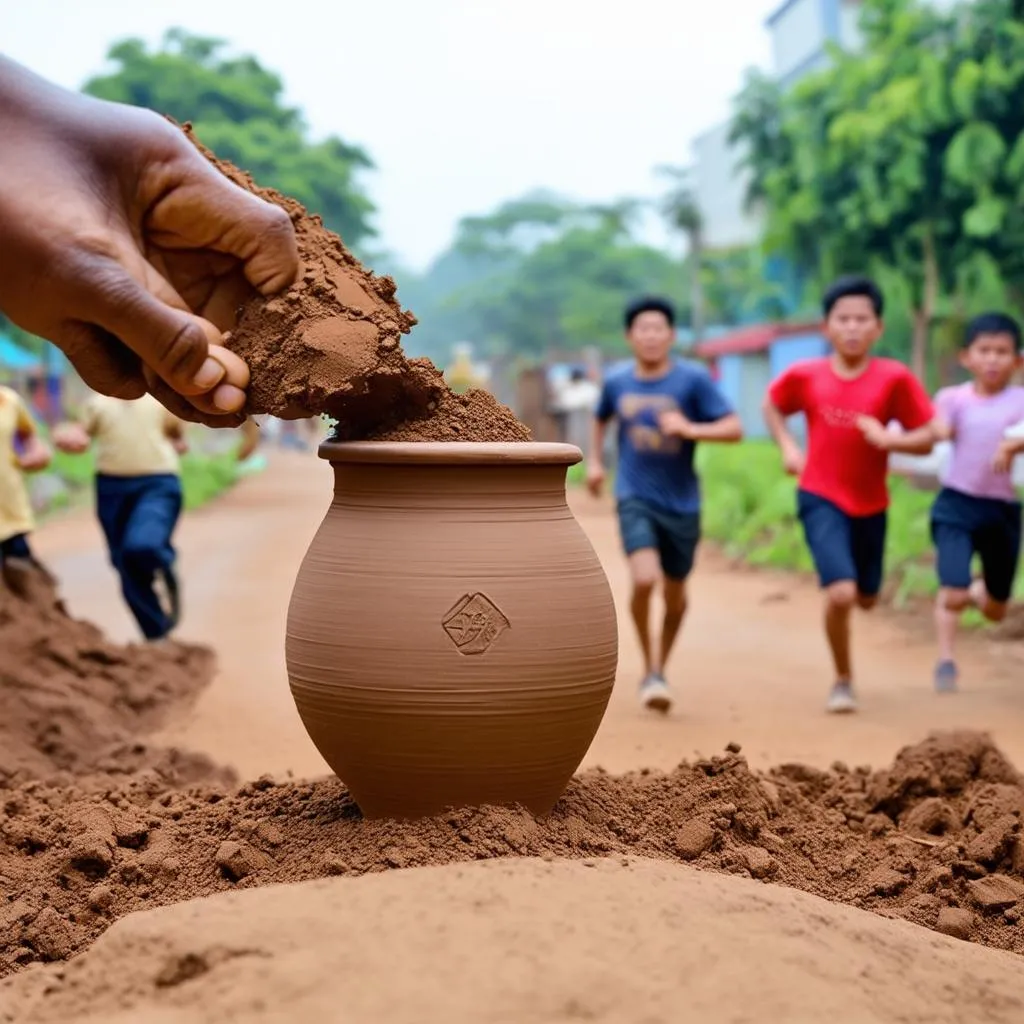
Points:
[[203, 476], [750, 510]]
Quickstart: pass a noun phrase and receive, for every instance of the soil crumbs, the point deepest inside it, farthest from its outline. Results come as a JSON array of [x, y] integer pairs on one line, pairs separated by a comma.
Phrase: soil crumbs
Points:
[[330, 343], [935, 839]]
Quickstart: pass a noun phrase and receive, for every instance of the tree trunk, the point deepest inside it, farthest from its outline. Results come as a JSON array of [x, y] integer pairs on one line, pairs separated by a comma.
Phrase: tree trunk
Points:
[[696, 287], [925, 313]]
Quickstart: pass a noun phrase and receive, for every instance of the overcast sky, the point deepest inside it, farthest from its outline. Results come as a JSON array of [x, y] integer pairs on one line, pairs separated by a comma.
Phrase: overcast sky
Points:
[[461, 103]]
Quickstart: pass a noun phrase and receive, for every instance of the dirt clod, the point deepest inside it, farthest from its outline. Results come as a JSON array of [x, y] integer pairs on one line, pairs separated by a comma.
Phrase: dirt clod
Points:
[[330, 344]]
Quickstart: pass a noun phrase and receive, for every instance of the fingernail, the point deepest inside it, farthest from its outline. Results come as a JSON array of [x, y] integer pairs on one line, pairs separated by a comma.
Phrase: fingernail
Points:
[[228, 398], [209, 374]]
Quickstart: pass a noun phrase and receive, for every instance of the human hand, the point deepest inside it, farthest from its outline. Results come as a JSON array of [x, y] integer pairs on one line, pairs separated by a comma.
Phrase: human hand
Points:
[[71, 438], [673, 423], [1008, 450], [124, 246], [874, 432], [595, 479], [35, 457], [793, 459], [180, 445]]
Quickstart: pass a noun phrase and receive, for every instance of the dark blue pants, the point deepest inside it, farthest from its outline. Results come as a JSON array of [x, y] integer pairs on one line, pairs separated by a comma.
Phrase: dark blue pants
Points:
[[15, 547], [138, 515]]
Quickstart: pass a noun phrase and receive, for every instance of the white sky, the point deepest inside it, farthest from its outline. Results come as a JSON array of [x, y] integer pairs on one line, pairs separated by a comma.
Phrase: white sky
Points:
[[461, 104]]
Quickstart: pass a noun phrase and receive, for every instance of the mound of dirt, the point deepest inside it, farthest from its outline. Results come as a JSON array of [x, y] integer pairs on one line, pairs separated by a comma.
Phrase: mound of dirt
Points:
[[331, 343], [72, 704], [620, 940], [935, 838]]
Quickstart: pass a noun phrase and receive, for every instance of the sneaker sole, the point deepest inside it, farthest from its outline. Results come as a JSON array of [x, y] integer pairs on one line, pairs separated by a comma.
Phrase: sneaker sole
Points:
[[658, 702], [841, 709]]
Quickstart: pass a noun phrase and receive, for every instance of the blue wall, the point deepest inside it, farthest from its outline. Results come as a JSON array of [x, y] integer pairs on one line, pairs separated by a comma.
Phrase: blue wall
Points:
[[789, 350], [743, 378]]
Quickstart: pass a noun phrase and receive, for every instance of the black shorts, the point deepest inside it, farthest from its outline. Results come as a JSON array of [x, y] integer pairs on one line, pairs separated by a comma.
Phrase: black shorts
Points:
[[674, 535], [843, 547], [964, 526]]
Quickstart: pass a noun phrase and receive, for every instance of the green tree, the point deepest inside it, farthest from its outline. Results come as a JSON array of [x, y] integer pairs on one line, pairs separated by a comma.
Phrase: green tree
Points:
[[236, 107], [907, 157], [541, 273], [681, 210]]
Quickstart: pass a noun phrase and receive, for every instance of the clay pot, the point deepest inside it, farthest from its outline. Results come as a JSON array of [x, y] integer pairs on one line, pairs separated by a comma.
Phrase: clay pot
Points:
[[451, 635]]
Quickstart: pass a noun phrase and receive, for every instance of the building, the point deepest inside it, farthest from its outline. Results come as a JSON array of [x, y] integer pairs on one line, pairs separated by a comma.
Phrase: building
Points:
[[720, 186], [802, 32], [745, 361]]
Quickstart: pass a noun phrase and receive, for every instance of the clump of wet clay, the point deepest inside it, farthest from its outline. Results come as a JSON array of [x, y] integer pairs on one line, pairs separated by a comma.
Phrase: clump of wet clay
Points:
[[331, 343], [72, 704], [935, 838]]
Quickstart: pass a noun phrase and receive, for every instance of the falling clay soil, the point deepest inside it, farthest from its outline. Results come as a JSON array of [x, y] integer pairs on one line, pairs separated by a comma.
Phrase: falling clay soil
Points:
[[331, 344]]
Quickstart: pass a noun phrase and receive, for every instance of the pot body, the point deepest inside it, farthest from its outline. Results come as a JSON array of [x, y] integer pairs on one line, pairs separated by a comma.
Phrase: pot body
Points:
[[451, 635]]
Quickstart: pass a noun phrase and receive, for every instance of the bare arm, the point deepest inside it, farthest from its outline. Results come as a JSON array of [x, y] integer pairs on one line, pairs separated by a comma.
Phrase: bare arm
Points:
[[595, 457], [919, 441], [36, 454], [792, 455]]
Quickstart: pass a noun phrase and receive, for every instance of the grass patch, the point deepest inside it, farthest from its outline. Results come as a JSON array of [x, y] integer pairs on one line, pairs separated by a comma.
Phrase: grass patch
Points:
[[750, 510], [203, 478]]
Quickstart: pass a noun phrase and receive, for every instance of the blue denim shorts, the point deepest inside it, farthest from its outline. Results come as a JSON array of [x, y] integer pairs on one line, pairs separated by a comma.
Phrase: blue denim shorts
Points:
[[843, 547], [674, 535]]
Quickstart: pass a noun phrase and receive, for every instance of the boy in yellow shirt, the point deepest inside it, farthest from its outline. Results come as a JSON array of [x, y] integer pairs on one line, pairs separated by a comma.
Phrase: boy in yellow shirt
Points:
[[138, 498], [21, 451]]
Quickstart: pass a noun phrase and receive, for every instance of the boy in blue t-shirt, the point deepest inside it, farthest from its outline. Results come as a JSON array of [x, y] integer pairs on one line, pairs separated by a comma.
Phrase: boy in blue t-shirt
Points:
[[663, 407]]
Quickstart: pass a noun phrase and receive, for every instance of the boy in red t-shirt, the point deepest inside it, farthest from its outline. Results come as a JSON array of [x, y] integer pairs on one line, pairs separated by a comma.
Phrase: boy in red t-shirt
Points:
[[848, 398]]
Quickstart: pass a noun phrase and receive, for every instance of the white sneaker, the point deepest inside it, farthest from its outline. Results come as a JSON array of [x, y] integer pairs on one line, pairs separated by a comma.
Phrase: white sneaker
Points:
[[841, 701], [655, 694]]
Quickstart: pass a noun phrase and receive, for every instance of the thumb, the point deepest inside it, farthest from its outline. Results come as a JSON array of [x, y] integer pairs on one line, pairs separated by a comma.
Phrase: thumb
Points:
[[173, 342]]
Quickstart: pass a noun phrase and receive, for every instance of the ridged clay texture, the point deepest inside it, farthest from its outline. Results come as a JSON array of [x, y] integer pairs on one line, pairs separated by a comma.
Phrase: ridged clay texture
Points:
[[451, 635]]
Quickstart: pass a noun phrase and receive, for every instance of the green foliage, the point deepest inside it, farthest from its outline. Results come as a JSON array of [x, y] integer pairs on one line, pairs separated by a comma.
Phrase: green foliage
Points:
[[203, 476], [906, 157], [539, 273], [749, 507], [237, 109]]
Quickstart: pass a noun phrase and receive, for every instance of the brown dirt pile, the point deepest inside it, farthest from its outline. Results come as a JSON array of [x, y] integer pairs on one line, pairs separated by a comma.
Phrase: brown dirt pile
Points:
[[73, 705], [331, 344], [935, 839]]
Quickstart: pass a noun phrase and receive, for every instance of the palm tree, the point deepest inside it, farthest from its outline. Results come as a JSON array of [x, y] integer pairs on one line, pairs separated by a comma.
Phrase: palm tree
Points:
[[681, 210]]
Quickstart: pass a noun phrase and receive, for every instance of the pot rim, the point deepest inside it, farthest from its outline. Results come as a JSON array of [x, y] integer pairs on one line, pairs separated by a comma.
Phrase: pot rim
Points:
[[451, 453]]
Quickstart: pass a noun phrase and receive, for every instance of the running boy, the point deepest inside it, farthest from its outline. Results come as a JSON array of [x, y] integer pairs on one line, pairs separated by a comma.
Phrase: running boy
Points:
[[978, 511], [21, 451], [138, 499], [663, 407], [848, 398]]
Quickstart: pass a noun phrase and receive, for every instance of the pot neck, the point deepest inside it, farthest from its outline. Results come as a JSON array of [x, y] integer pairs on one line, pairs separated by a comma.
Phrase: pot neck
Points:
[[467, 487]]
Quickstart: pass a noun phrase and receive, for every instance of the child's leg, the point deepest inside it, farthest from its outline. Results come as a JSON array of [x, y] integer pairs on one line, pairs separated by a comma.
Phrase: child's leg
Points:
[[998, 544], [951, 530], [828, 534], [147, 550], [640, 541], [678, 537]]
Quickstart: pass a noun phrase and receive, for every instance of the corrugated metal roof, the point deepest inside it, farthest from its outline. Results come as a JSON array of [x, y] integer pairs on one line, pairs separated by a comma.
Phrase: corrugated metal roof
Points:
[[753, 339]]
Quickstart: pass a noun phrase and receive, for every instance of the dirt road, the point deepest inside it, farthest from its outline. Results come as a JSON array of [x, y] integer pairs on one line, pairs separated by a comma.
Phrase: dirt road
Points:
[[751, 666]]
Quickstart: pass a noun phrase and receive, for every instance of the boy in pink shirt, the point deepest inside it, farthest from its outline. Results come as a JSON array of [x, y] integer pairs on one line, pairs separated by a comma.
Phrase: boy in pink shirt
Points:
[[978, 511]]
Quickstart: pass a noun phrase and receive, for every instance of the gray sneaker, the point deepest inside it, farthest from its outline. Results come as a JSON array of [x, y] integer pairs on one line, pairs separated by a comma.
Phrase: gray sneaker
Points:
[[946, 676], [655, 694], [841, 701]]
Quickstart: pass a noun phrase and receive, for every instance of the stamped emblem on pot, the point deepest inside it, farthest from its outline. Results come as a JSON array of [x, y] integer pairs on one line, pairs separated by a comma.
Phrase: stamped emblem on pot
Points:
[[474, 623]]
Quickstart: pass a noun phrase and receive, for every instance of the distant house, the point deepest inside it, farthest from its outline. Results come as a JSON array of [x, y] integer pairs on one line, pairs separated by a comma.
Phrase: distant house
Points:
[[39, 378], [746, 360]]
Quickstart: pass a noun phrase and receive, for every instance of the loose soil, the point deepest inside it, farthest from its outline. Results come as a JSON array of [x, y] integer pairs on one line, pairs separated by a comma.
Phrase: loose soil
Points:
[[331, 343], [75, 706], [935, 839]]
